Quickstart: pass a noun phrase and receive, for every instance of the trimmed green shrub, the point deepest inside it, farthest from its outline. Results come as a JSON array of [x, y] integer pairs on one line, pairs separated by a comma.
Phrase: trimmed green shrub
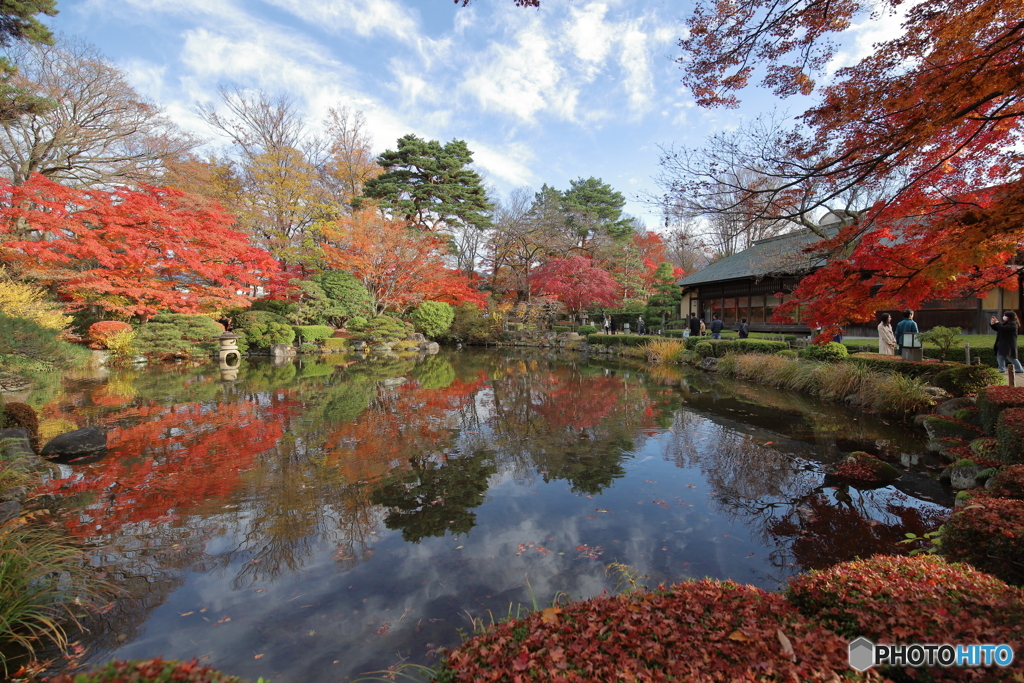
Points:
[[285, 309], [966, 379], [889, 598], [265, 335], [945, 338], [704, 349], [832, 352], [22, 339], [311, 334], [758, 346], [560, 329], [336, 344], [994, 400], [249, 318], [433, 318], [347, 292], [617, 339], [382, 329], [787, 353], [149, 671], [895, 364], [989, 535], [1010, 433], [586, 330], [178, 335]]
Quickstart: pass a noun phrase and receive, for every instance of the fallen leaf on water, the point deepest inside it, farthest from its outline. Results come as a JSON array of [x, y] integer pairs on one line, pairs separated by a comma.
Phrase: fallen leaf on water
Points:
[[259, 590], [458, 547], [185, 614], [203, 610], [258, 656], [601, 510], [768, 443], [691, 486], [740, 636]]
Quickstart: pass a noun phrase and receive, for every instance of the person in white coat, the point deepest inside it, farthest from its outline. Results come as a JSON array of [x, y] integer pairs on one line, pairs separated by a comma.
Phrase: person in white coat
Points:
[[886, 338]]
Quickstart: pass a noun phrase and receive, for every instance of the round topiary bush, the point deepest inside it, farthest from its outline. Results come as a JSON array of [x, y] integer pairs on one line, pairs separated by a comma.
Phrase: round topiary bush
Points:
[[149, 671], [247, 319], [697, 631], [265, 335], [966, 379], [100, 332], [704, 350], [988, 535], [586, 329], [433, 318], [832, 352], [922, 599], [382, 329]]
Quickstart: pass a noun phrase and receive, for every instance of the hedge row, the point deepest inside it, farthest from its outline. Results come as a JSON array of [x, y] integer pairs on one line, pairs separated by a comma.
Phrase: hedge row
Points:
[[876, 361], [618, 339], [311, 334]]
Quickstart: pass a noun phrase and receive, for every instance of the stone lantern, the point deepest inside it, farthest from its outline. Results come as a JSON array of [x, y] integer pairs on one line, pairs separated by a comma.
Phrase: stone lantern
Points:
[[229, 355]]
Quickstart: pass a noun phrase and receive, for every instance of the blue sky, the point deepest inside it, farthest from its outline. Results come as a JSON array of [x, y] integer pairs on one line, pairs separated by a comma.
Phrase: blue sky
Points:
[[577, 88]]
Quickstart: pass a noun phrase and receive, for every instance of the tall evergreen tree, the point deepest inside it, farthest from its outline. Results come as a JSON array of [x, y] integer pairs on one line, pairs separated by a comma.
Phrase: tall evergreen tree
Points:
[[593, 207], [431, 185], [18, 21]]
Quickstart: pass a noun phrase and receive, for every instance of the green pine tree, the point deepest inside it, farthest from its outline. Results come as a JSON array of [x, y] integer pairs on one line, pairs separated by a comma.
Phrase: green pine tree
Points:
[[431, 185]]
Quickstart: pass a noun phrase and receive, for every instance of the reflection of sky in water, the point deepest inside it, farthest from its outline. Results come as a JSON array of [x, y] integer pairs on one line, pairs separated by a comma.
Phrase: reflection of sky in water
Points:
[[700, 495]]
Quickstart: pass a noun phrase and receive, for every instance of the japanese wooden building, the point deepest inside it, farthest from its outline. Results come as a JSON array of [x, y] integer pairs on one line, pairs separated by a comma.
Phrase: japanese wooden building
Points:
[[747, 285]]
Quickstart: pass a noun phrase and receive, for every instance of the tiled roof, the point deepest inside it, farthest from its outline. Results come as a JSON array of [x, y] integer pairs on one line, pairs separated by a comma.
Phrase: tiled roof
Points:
[[780, 255]]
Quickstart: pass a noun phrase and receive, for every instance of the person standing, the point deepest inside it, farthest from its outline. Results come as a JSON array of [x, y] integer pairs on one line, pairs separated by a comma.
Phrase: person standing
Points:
[[703, 327], [716, 326], [905, 326], [606, 325], [886, 338], [611, 325], [743, 330], [694, 325], [1006, 341], [641, 326]]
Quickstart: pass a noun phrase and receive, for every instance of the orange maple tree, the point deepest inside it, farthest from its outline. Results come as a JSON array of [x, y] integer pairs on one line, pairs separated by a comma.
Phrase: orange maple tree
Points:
[[132, 252], [399, 265], [930, 122]]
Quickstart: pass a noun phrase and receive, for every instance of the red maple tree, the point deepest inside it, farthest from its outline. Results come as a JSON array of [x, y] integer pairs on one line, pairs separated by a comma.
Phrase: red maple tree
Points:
[[576, 282], [129, 252], [399, 265]]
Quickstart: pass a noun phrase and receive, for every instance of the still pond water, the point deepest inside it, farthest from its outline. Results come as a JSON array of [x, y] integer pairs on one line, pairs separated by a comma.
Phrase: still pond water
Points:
[[313, 522]]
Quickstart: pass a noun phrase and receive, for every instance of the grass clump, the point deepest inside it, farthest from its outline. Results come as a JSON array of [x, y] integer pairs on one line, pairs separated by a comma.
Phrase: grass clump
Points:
[[891, 394], [664, 351]]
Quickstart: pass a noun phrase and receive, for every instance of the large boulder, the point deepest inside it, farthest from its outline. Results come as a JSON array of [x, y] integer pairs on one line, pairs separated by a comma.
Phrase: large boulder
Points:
[[430, 347], [949, 408], [79, 442], [964, 476]]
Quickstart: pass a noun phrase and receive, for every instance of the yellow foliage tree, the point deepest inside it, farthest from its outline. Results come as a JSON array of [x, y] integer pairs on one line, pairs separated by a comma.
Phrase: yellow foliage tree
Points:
[[20, 300]]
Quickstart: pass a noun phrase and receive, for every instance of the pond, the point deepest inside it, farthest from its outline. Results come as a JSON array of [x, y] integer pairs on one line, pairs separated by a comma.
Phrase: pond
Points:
[[320, 520]]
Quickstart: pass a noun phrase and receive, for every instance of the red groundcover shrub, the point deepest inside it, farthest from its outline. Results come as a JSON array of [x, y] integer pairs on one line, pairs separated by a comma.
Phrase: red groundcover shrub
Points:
[[149, 671], [695, 632], [923, 599], [1009, 483], [994, 400], [100, 332], [989, 535]]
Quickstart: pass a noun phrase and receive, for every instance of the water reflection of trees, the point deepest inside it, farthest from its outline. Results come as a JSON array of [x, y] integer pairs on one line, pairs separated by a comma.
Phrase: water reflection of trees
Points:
[[784, 502]]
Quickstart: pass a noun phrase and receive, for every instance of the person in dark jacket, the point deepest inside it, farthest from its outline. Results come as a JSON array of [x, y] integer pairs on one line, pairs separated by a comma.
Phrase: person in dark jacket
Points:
[[743, 329], [716, 326], [1006, 341], [694, 325]]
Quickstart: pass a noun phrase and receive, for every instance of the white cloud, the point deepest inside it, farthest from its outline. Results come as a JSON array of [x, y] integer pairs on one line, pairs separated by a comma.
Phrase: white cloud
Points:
[[511, 164], [364, 17]]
